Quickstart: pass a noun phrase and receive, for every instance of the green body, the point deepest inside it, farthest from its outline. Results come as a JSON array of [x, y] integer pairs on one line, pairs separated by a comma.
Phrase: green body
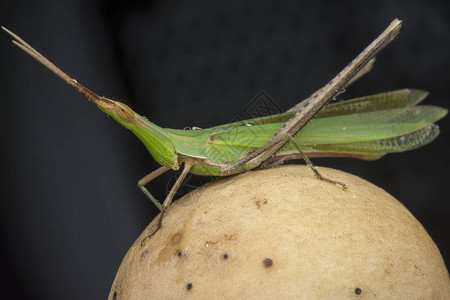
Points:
[[365, 128]]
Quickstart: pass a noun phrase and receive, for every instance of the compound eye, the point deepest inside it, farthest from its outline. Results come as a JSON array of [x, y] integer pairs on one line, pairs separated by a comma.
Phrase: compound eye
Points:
[[124, 112]]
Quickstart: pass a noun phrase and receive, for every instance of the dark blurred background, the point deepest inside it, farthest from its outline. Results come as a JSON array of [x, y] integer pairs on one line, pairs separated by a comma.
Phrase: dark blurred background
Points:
[[70, 208]]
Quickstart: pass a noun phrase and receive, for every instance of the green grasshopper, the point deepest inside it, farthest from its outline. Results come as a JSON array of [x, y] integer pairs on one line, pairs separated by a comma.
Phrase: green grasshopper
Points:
[[364, 128]]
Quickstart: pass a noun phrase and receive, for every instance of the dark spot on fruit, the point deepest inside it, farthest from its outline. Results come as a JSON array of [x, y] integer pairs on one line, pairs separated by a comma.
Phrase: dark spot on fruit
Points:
[[115, 295], [189, 286], [181, 254], [259, 203], [225, 256], [358, 291], [267, 262]]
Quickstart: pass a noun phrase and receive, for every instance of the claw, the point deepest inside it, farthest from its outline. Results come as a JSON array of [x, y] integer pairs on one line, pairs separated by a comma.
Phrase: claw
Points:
[[152, 231]]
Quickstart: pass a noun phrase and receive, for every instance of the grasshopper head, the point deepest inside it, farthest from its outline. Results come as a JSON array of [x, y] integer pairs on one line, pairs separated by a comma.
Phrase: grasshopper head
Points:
[[120, 112], [154, 138]]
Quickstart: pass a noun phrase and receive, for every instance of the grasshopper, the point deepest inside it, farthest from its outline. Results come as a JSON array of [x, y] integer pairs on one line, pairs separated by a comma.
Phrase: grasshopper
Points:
[[364, 128]]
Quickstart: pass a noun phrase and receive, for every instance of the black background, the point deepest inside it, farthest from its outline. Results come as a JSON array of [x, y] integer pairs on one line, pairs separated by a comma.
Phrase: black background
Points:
[[70, 207]]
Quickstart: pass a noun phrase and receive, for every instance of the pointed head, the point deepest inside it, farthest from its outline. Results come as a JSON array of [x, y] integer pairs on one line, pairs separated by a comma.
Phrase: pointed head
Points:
[[118, 111], [154, 137]]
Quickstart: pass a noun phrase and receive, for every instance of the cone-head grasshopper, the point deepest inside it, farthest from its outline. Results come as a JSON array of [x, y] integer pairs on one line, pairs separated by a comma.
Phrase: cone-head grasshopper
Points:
[[364, 128]]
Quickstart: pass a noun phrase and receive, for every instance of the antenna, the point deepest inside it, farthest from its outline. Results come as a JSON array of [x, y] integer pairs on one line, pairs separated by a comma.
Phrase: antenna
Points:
[[43, 60]]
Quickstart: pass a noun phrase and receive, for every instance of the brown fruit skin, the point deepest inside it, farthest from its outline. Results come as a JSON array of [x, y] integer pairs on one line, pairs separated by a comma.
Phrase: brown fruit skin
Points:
[[283, 234]]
